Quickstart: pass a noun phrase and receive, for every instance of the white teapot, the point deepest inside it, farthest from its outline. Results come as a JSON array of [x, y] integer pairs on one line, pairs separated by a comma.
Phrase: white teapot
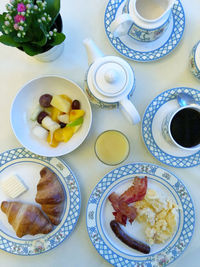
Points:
[[110, 82]]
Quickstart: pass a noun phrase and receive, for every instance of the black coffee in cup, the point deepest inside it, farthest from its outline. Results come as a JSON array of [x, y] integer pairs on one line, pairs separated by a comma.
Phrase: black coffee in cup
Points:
[[185, 127]]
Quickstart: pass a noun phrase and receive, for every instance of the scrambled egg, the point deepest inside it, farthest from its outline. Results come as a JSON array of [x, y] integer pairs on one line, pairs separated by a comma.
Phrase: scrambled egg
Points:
[[157, 216]]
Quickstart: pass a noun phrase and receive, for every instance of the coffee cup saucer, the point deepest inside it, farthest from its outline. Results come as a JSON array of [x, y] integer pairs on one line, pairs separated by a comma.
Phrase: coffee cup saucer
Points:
[[157, 145], [146, 51]]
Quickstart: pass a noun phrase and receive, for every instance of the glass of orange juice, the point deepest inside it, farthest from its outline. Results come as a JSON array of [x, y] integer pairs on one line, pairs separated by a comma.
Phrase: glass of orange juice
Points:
[[112, 147]]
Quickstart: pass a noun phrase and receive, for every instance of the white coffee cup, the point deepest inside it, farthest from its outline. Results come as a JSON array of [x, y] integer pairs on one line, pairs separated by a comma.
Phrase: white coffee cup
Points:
[[143, 20], [182, 127]]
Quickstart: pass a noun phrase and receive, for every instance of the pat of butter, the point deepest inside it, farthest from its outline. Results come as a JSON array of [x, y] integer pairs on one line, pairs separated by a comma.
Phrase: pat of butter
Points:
[[13, 186]]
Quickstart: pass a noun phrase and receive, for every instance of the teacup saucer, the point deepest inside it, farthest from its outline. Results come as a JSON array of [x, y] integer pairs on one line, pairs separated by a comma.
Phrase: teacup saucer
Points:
[[152, 135], [146, 51]]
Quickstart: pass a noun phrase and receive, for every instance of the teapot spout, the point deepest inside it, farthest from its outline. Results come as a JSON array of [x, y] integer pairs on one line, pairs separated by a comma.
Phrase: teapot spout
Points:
[[92, 50]]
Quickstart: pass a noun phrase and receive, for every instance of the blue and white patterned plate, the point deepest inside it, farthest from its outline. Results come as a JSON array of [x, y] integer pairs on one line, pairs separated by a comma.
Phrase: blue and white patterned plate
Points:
[[146, 51], [99, 215], [152, 133], [27, 165]]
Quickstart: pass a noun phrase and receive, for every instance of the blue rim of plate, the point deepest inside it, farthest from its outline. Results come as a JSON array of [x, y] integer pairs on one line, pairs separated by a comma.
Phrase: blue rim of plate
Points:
[[43, 243], [165, 49], [179, 242], [154, 149]]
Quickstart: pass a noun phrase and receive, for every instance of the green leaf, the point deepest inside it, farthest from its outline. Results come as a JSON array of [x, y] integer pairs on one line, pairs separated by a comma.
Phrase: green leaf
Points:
[[37, 33], [8, 40], [53, 8], [31, 49], [58, 39], [1, 22], [41, 39], [76, 122], [21, 40]]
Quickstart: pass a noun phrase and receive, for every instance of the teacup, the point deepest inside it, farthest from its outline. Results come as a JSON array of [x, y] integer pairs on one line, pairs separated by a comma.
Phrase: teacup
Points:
[[143, 20], [195, 60], [182, 127]]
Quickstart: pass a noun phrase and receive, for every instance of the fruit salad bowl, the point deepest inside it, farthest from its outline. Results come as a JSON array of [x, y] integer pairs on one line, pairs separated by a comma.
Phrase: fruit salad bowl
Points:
[[25, 105]]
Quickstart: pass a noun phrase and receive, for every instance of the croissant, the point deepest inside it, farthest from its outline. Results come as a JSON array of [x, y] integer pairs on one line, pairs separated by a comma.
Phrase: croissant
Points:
[[50, 195], [26, 218]]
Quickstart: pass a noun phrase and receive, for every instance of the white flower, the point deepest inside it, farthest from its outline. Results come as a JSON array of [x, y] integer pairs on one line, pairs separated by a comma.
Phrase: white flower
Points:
[[19, 34], [28, 6], [7, 23], [21, 28]]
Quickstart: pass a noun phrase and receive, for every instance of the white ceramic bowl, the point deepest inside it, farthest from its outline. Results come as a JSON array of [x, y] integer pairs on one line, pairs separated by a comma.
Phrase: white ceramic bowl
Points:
[[28, 97]]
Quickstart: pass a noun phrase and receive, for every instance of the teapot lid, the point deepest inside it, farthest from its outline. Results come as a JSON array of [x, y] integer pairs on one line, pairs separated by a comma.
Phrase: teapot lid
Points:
[[110, 76]]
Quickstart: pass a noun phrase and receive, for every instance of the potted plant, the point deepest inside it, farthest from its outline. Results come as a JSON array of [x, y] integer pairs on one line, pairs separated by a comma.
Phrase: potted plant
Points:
[[33, 26]]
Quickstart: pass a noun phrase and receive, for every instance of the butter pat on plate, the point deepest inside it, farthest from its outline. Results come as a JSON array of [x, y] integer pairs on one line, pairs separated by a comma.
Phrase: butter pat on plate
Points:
[[13, 186]]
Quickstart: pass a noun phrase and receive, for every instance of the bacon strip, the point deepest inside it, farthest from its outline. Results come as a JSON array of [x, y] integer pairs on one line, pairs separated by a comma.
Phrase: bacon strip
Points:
[[122, 210], [136, 192], [121, 203]]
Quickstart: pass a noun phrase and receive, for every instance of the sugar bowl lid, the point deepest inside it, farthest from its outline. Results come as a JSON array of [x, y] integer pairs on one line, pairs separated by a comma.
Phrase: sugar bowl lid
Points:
[[110, 76]]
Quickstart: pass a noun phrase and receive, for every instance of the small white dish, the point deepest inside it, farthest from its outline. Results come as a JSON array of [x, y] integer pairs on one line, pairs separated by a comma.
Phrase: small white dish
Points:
[[28, 97], [99, 214], [27, 165], [152, 135], [145, 51]]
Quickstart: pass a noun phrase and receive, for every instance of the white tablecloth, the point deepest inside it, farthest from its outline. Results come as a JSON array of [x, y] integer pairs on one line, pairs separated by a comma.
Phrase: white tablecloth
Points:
[[86, 19]]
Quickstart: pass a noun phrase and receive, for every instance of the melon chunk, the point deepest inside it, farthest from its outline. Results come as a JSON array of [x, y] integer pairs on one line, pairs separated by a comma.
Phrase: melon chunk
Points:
[[64, 134], [67, 133], [75, 114], [55, 113], [51, 140], [67, 98], [63, 118], [61, 104]]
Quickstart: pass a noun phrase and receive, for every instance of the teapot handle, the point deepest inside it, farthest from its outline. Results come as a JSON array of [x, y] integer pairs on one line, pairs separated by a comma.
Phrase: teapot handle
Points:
[[120, 25], [129, 110]]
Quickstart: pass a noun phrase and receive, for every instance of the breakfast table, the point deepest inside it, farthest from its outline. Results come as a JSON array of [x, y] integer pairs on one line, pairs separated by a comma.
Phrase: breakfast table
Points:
[[85, 19]]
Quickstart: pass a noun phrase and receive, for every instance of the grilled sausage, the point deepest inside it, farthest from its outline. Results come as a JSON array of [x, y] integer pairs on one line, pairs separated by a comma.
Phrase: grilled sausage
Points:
[[129, 241]]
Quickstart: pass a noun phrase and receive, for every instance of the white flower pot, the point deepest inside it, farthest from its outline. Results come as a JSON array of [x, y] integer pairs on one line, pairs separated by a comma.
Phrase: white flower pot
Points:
[[51, 54]]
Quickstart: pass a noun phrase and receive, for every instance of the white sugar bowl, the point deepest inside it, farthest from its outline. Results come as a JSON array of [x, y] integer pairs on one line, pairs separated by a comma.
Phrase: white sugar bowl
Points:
[[110, 82]]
